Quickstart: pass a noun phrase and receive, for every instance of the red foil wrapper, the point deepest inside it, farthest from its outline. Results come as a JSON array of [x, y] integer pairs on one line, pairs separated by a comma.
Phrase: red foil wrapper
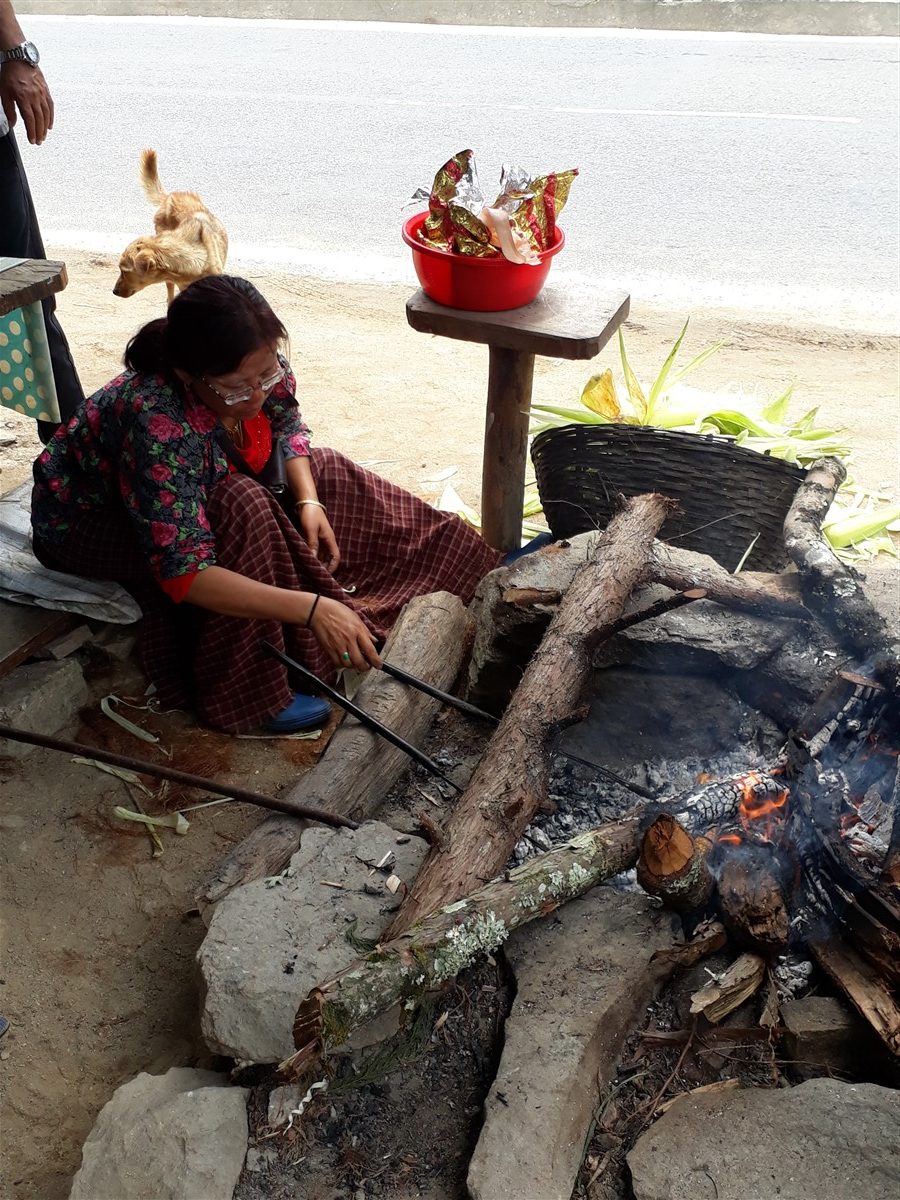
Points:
[[456, 208]]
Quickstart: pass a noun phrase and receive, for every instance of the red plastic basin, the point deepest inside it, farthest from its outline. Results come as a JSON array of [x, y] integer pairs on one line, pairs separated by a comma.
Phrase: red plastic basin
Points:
[[477, 284]]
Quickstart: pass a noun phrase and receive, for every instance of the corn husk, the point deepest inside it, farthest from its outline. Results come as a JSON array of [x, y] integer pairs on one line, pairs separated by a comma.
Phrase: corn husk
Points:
[[859, 525]]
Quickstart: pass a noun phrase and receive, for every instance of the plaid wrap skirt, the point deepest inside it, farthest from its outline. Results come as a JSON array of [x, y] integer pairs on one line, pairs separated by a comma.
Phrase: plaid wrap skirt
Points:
[[393, 547]]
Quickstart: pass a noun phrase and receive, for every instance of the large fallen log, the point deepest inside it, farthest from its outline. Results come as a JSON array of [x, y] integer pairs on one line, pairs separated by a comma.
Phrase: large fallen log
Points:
[[830, 588], [514, 605], [510, 782], [358, 768], [445, 942]]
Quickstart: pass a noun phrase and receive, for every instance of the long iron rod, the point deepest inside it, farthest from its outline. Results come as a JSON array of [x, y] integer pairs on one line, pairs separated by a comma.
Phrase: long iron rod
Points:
[[310, 812], [586, 762], [430, 690], [657, 609], [362, 716]]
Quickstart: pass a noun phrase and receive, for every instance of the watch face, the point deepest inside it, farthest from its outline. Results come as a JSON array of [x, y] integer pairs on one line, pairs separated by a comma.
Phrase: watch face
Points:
[[31, 53]]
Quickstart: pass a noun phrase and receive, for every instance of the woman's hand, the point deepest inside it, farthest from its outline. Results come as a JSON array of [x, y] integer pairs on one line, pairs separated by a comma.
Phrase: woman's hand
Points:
[[319, 535], [340, 632]]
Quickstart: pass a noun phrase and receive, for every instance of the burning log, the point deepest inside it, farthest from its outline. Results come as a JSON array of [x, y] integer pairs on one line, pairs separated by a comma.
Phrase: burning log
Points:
[[752, 900], [510, 782], [718, 801], [830, 588], [673, 865], [444, 943]]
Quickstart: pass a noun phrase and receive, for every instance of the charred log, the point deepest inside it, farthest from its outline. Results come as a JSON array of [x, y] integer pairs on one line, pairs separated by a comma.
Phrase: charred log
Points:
[[831, 589], [751, 898]]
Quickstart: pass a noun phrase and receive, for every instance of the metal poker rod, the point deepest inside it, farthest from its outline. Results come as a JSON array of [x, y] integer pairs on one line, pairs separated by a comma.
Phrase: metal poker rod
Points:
[[430, 690], [162, 772], [361, 715]]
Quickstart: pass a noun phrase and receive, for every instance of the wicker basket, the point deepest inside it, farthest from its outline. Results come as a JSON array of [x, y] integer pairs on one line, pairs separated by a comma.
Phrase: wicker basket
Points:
[[727, 494]]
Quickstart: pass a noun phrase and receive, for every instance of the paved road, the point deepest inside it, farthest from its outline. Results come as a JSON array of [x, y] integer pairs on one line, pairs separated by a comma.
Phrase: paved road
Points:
[[746, 169]]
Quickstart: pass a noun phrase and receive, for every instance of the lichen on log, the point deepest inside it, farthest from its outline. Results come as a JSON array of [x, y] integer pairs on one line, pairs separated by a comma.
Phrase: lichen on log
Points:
[[444, 943]]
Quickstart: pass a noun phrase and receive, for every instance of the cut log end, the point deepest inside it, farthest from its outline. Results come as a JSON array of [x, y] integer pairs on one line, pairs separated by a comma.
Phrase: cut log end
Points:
[[673, 865]]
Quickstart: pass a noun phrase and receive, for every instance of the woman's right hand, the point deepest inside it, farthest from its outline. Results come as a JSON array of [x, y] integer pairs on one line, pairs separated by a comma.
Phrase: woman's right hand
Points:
[[339, 631]]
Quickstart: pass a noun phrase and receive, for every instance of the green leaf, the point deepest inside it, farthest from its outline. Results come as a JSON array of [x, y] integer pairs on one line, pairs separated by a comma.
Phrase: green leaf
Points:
[[660, 381], [776, 410], [634, 388], [697, 362], [578, 416]]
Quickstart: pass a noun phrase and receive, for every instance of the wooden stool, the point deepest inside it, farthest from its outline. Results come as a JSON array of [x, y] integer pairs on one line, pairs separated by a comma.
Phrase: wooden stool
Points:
[[557, 325]]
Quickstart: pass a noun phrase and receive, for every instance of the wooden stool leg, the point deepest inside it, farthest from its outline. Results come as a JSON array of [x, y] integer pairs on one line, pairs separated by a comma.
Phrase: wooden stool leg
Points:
[[505, 446]]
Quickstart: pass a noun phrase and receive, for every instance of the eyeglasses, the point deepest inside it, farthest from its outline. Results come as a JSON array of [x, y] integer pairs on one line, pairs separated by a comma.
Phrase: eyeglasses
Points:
[[245, 394]]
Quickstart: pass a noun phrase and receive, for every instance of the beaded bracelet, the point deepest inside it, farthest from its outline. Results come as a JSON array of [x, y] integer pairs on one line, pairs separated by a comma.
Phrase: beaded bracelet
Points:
[[312, 610]]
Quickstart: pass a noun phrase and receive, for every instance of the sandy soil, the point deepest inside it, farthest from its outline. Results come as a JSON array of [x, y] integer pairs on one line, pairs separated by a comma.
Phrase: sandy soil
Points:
[[99, 980], [382, 393]]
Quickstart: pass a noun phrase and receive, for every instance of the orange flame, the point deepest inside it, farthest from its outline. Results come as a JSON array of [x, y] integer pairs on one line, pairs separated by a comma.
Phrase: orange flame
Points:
[[761, 813], [731, 839]]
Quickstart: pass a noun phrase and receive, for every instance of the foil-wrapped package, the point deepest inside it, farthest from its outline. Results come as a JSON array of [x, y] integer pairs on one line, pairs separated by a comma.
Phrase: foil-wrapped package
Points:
[[519, 224]]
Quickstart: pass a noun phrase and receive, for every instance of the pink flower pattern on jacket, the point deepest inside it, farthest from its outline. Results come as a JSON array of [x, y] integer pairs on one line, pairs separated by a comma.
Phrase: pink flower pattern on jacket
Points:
[[144, 442]]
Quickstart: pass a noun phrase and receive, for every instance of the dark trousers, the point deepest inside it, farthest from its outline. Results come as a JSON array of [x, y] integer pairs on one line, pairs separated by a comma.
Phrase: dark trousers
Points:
[[20, 237]]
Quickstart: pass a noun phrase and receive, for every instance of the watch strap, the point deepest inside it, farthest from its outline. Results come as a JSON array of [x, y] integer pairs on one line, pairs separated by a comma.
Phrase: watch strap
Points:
[[15, 54]]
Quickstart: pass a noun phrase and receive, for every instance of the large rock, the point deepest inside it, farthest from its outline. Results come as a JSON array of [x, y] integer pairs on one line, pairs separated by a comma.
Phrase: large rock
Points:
[[41, 698], [271, 941], [177, 1136], [823, 1139], [584, 981]]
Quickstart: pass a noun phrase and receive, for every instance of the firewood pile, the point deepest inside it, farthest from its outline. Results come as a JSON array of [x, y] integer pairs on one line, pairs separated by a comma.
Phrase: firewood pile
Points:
[[780, 851], [804, 855]]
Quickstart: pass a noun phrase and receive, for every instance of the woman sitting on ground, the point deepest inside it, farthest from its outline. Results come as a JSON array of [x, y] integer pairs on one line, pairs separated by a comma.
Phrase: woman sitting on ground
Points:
[[138, 487]]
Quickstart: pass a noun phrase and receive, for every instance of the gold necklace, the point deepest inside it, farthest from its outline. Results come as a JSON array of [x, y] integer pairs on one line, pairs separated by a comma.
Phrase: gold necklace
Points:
[[235, 432]]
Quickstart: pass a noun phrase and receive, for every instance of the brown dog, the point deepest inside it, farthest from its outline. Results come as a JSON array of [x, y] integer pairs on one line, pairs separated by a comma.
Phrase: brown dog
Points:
[[190, 241]]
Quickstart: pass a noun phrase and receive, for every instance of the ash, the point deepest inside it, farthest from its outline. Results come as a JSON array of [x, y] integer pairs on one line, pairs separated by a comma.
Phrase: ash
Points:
[[583, 797]]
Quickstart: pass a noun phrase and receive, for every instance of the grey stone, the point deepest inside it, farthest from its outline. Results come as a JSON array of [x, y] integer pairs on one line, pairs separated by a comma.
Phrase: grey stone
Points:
[[834, 1141], [825, 1035], [41, 697], [882, 587], [176, 1136], [583, 980], [737, 639], [808, 660], [267, 946]]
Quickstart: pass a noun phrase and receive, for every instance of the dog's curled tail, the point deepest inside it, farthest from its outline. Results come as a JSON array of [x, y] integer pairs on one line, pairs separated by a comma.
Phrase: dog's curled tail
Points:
[[150, 177]]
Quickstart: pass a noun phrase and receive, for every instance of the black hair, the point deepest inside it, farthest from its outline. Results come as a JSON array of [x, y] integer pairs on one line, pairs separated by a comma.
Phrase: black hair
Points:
[[210, 329]]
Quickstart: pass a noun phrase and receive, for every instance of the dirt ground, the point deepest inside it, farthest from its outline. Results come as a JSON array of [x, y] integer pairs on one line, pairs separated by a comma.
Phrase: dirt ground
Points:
[[98, 977], [373, 388]]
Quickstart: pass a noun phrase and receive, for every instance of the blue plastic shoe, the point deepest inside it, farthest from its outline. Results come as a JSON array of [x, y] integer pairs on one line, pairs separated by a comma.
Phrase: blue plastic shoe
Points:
[[536, 543], [303, 712]]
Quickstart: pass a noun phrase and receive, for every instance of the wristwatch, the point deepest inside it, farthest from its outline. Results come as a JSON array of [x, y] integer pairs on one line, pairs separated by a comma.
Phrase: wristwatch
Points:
[[27, 52]]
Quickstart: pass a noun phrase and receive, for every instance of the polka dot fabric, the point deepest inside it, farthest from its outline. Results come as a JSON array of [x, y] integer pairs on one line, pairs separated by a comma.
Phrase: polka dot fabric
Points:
[[26, 378]]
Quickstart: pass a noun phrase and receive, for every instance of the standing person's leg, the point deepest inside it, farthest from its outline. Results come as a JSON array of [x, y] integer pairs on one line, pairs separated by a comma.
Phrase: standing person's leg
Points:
[[20, 237]]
